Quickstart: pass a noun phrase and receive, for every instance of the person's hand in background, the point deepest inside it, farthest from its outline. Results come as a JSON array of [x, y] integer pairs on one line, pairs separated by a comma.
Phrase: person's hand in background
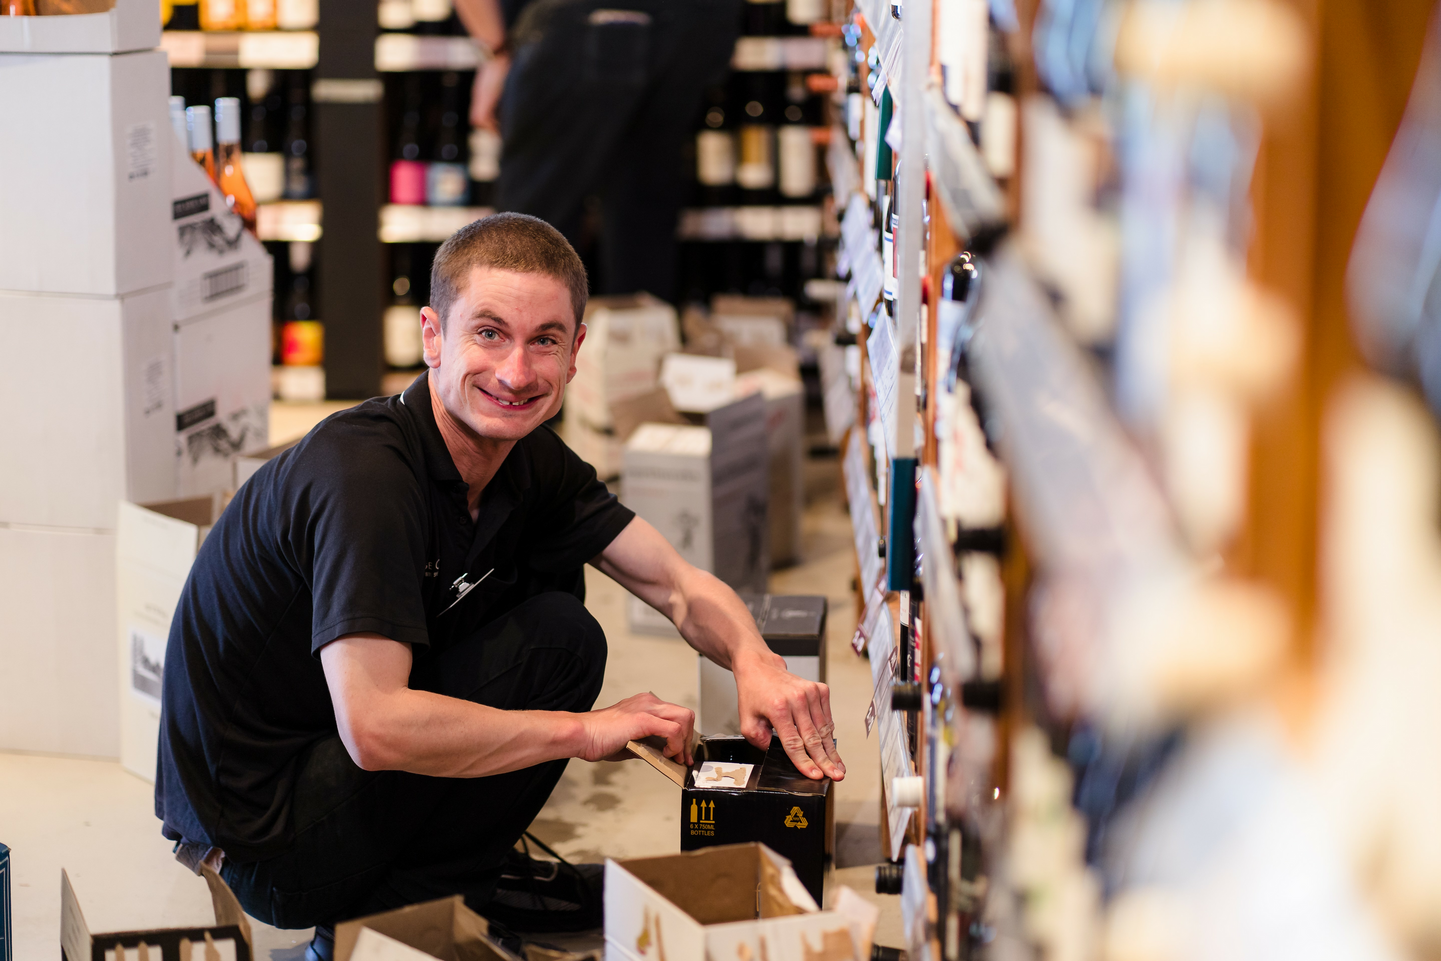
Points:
[[489, 82]]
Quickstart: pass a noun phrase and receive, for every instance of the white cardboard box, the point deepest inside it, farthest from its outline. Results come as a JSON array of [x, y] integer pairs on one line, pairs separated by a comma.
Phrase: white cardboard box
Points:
[[735, 901], [85, 172], [129, 25], [705, 490], [57, 641], [624, 342], [154, 548], [217, 262], [785, 437], [92, 428], [222, 394]]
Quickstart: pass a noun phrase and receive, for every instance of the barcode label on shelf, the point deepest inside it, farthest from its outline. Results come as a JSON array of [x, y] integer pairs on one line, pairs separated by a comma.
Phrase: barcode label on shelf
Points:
[[864, 523]]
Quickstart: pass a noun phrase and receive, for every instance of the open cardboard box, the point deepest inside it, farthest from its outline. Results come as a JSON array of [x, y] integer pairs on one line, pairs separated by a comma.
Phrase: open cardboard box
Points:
[[444, 929], [739, 901], [774, 803], [78, 943]]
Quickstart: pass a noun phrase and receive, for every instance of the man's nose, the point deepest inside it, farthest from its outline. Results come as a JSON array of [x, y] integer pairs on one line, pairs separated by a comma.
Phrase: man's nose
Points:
[[515, 372]]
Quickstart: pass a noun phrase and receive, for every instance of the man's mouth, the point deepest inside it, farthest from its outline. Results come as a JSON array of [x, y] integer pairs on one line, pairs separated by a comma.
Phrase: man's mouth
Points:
[[510, 404]]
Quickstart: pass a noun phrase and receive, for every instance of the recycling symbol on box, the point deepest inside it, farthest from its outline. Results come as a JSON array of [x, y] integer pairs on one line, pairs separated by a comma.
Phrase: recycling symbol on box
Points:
[[796, 819]]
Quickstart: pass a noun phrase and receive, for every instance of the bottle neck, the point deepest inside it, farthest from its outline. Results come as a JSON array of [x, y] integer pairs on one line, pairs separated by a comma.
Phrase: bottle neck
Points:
[[227, 153]]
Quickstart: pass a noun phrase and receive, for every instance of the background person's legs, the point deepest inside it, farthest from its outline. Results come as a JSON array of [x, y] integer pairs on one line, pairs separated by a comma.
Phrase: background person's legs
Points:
[[371, 841], [601, 98]]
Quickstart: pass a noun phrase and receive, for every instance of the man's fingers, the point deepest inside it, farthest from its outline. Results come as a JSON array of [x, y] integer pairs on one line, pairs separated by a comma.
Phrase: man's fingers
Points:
[[794, 744], [812, 739], [819, 701]]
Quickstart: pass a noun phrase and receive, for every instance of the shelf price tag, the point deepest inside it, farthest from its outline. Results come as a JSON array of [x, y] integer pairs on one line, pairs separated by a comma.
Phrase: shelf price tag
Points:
[[885, 372]]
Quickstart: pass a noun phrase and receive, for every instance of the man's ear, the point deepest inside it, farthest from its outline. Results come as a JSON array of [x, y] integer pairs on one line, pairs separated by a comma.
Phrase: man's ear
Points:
[[431, 336], [575, 351]]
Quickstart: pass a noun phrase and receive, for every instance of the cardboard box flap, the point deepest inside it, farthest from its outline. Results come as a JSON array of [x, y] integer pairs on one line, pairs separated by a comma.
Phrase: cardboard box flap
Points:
[[227, 906], [444, 929], [735, 882], [651, 750]]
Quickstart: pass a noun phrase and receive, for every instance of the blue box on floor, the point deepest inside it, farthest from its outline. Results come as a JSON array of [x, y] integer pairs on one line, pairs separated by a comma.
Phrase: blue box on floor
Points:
[[776, 805]]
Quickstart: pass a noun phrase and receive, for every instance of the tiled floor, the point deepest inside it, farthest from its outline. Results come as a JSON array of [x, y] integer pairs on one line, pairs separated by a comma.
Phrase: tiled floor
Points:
[[96, 821]]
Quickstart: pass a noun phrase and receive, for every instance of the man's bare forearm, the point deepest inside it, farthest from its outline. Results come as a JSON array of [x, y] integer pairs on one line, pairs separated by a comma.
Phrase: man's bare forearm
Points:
[[483, 21], [715, 621]]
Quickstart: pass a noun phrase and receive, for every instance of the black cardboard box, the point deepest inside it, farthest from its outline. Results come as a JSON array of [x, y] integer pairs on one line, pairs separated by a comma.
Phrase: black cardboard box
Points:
[[777, 806]]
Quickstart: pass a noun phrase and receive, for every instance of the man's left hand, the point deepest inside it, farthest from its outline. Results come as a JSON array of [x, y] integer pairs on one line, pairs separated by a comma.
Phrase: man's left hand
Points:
[[773, 700]]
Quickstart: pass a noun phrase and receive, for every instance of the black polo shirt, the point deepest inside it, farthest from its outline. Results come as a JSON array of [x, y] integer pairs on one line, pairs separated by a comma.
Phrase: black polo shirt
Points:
[[361, 527]]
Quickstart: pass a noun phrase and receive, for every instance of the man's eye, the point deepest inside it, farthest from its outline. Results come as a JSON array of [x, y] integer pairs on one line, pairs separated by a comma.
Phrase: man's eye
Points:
[[489, 333], [546, 341]]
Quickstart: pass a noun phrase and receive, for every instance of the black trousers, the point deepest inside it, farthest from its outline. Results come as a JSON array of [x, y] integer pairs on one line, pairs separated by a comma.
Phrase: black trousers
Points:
[[600, 99], [373, 841]]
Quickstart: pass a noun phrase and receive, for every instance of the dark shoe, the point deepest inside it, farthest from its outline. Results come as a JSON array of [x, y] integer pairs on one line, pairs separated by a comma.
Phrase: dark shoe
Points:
[[322, 945], [546, 897]]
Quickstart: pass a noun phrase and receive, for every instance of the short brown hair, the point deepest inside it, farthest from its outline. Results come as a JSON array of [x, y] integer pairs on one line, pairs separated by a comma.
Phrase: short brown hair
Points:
[[506, 241]]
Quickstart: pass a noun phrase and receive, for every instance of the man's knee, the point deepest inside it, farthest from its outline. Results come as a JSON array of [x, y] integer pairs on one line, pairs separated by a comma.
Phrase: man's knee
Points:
[[562, 619]]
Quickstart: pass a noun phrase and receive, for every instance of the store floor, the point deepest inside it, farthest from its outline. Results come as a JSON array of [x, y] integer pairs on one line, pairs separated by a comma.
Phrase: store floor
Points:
[[97, 821]]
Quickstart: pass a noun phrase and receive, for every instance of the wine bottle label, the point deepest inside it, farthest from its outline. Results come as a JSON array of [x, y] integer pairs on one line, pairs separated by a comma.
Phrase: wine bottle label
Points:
[[715, 158], [805, 11], [403, 344], [484, 154], [395, 14], [218, 15], [260, 14], [431, 10], [407, 182], [888, 258], [297, 14], [757, 169], [797, 162], [446, 185]]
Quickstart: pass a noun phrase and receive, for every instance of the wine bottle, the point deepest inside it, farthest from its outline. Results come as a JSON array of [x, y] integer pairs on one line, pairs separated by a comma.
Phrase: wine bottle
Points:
[[715, 151], [297, 14], [264, 163], [202, 138], [18, 8], [756, 172], [184, 15], [407, 170], [958, 284], [805, 12], [884, 201], [447, 183], [764, 18], [177, 121], [797, 150], [431, 16], [404, 347], [222, 14], [299, 185], [484, 166], [230, 175], [260, 15], [395, 15], [302, 337]]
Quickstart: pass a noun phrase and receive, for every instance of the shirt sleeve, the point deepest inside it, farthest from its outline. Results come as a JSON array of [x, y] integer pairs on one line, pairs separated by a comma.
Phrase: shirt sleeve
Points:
[[357, 523], [577, 517]]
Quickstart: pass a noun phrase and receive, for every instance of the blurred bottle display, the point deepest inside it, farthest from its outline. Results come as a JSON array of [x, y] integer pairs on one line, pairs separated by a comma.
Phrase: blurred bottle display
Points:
[[396, 15], [299, 181], [201, 135], [404, 347], [715, 150], [432, 17], [264, 127], [222, 14], [407, 170], [230, 174], [760, 109], [447, 181]]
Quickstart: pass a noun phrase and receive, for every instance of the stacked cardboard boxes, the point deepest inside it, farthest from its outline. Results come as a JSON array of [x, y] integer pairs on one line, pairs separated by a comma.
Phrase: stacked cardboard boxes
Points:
[[88, 321], [705, 489], [618, 366]]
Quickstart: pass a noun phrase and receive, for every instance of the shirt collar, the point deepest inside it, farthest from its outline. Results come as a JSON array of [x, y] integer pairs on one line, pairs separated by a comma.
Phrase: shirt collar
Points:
[[513, 477]]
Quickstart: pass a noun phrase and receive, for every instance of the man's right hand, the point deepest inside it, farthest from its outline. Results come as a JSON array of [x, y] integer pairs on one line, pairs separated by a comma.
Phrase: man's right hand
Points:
[[641, 715], [485, 95]]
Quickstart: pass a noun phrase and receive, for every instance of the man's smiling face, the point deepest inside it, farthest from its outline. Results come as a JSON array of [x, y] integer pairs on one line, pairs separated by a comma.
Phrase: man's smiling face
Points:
[[502, 359]]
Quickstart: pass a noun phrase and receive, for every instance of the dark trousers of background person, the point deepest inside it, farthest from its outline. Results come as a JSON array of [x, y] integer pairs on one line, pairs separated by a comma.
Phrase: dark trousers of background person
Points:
[[373, 841], [600, 99]]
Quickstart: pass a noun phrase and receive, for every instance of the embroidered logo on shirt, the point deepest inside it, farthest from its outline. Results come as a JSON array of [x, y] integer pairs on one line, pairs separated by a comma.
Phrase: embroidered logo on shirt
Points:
[[432, 568]]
